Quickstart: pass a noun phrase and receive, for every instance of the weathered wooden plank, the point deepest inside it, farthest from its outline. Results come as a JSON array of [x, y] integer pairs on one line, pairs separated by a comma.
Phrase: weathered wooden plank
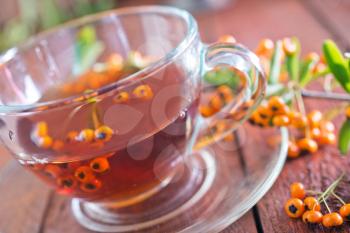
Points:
[[333, 15], [250, 21], [23, 200]]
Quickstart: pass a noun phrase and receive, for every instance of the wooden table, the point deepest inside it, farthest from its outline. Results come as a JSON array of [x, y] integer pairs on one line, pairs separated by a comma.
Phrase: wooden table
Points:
[[27, 206]]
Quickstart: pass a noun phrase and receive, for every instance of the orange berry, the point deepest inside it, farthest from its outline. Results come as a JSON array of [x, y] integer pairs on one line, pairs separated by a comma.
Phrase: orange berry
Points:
[[315, 133], [289, 47], [66, 182], [41, 129], [280, 120], [115, 62], [308, 144], [297, 190], [312, 216], [206, 111], [229, 138], [345, 211], [294, 208], [99, 165], [225, 93], [312, 56], [298, 120], [227, 39], [218, 128], [95, 81], [44, 142], [332, 220], [327, 126], [67, 89], [57, 145], [278, 106], [91, 186], [52, 171], [121, 97], [347, 112], [328, 139], [265, 48], [86, 135], [72, 136], [293, 150], [216, 102], [264, 112], [84, 174], [315, 118], [103, 133], [311, 203], [143, 92]]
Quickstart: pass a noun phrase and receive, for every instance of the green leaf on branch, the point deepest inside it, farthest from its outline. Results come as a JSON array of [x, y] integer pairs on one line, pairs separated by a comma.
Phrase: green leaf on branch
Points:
[[275, 68], [222, 76], [87, 50], [306, 71], [344, 138], [292, 61], [337, 64]]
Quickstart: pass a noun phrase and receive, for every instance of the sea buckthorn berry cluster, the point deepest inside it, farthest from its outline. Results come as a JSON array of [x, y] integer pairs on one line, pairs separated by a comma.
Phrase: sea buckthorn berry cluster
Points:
[[314, 130], [102, 134], [85, 176], [114, 68], [220, 97], [274, 112], [300, 205], [141, 92], [42, 139]]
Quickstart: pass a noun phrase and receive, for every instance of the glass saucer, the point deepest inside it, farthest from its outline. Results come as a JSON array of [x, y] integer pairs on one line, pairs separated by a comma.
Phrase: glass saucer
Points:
[[216, 187]]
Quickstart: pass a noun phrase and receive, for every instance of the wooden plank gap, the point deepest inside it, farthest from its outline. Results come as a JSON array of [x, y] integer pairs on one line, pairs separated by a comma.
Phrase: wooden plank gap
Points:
[[258, 224], [46, 211]]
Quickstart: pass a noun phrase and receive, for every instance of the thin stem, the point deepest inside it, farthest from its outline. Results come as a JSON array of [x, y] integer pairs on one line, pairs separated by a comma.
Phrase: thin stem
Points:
[[325, 95], [339, 198], [325, 203], [331, 188], [95, 117], [299, 99], [313, 192]]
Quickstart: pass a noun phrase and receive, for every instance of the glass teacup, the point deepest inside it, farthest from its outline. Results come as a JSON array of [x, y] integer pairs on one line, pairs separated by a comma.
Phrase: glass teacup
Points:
[[111, 108]]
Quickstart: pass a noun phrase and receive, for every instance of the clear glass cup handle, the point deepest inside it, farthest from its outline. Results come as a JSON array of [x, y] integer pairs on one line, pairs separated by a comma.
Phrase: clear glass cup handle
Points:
[[249, 92]]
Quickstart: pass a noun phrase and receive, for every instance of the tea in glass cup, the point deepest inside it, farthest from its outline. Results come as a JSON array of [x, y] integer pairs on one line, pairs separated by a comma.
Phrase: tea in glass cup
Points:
[[111, 108]]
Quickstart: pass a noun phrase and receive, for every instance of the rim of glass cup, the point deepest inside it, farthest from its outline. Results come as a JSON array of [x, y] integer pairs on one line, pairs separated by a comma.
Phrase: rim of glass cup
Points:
[[191, 32]]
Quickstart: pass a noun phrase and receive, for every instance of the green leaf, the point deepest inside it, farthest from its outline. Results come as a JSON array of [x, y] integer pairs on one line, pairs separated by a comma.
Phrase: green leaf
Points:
[[292, 61], [344, 138], [306, 71], [223, 76], [337, 64], [50, 13], [275, 68], [88, 58], [87, 49], [103, 5]]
